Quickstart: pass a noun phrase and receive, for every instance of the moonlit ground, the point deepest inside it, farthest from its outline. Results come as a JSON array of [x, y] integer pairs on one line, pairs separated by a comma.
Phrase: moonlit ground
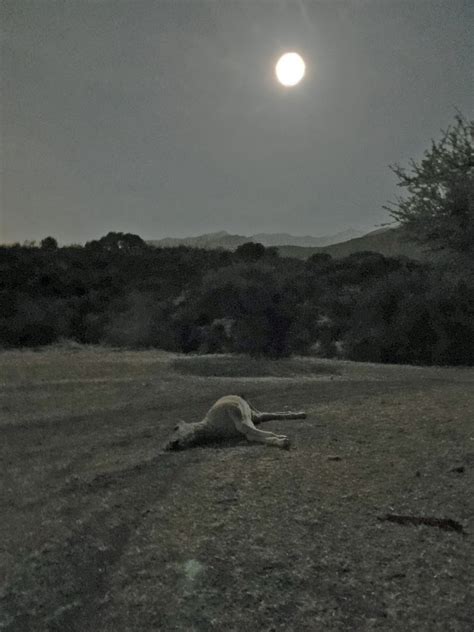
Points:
[[101, 531]]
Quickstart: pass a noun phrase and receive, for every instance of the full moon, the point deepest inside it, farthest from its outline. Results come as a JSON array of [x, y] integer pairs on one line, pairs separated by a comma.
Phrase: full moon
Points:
[[290, 69]]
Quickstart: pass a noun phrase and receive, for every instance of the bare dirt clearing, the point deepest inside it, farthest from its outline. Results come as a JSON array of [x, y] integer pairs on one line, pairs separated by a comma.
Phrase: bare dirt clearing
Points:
[[101, 531]]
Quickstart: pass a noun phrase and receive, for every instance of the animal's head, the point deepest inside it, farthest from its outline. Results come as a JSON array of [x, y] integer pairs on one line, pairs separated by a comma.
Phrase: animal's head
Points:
[[183, 437]]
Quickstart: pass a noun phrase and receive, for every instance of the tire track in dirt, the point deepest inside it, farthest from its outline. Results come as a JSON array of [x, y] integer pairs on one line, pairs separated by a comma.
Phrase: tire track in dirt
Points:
[[63, 585]]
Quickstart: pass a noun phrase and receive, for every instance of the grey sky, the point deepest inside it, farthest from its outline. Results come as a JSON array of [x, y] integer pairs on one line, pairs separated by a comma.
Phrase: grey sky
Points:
[[164, 118]]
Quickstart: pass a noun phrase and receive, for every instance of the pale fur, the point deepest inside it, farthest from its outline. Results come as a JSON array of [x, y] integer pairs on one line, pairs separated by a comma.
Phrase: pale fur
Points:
[[231, 416]]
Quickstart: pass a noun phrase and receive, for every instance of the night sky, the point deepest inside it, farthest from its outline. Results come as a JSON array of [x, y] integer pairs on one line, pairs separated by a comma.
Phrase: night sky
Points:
[[165, 118]]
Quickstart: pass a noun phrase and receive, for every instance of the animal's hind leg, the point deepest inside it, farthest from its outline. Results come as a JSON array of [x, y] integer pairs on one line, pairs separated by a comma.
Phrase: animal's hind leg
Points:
[[246, 427], [258, 417]]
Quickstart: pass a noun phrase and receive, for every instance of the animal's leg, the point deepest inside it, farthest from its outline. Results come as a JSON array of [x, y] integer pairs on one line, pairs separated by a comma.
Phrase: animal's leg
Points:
[[246, 427], [269, 438], [258, 417]]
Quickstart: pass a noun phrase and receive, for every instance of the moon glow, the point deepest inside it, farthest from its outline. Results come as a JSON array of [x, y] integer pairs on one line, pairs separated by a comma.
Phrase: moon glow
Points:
[[290, 69]]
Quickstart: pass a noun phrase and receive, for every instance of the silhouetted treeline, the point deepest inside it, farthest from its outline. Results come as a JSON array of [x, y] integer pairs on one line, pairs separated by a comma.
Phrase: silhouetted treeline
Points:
[[120, 291]]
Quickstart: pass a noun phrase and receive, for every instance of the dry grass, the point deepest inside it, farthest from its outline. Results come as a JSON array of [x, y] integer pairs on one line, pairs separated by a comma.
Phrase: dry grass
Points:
[[101, 531], [246, 367]]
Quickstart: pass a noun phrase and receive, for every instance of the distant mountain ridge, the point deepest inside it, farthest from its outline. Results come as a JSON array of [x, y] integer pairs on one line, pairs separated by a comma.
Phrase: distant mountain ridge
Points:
[[225, 240], [390, 242]]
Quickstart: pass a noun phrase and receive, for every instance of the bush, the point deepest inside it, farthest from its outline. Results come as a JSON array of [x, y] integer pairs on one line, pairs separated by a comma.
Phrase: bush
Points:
[[250, 251], [181, 299], [413, 317]]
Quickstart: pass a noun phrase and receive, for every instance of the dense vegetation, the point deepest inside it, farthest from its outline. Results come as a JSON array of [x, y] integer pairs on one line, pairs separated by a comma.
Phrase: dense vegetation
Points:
[[119, 291]]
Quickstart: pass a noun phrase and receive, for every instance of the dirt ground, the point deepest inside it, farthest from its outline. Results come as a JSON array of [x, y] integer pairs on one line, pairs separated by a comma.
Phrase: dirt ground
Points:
[[102, 531]]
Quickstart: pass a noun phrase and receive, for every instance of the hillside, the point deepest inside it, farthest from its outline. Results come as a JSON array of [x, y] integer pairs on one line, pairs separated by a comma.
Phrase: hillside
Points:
[[228, 241], [389, 242], [221, 239], [284, 239]]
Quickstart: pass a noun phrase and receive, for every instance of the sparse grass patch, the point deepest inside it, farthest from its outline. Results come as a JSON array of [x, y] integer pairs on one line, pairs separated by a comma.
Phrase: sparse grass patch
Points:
[[245, 366]]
